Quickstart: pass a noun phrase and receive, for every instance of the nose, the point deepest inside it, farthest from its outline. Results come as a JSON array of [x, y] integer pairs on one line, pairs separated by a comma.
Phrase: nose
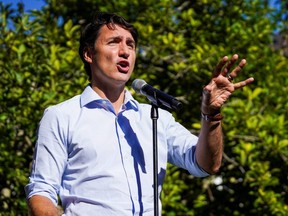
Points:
[[124, 51]]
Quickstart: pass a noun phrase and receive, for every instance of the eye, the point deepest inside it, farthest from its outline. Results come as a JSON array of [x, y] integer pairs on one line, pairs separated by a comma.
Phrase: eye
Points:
[[131, 44], [112, 42]]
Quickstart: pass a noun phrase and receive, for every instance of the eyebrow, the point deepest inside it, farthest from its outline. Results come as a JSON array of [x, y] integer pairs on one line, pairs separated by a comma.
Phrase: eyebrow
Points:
[[129, 39]]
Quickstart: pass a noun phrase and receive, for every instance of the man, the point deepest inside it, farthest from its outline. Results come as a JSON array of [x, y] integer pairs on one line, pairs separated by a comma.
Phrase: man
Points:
[[92, 150]]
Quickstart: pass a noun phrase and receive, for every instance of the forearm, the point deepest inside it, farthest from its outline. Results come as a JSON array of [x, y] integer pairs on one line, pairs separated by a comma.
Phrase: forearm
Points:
[[40, 205], [209, 148], [210, 145]]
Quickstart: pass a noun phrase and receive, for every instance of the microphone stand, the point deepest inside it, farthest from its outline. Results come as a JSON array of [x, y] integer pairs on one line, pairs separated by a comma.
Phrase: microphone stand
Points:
[[157, 99], [154, 117]]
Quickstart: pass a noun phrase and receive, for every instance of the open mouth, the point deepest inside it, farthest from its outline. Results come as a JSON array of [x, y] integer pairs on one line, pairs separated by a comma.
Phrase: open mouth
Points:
[[123, 66]]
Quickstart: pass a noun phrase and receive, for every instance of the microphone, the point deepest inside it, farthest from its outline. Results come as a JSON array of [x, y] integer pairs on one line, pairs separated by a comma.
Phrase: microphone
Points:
[[155, 96]]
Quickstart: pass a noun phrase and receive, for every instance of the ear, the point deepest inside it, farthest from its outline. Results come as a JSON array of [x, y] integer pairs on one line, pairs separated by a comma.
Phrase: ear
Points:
[[88, 55]]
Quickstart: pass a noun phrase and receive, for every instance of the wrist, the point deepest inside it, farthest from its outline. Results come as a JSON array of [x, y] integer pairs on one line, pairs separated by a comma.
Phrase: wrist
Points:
[[212, 118]]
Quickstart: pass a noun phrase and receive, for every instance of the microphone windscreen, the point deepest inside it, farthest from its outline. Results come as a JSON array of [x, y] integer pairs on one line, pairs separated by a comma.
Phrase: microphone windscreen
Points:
[[138, 84]]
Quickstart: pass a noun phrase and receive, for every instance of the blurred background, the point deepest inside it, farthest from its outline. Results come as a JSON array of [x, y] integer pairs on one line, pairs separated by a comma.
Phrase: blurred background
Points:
[[180, 43]]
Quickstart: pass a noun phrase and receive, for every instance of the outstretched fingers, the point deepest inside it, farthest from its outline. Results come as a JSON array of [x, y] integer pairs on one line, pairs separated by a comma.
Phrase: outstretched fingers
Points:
[[220, 66], [225, 65], [228, 66], [238, 68], [243, 83]]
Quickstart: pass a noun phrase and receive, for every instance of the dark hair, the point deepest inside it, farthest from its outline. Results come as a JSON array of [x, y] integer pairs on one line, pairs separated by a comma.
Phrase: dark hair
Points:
[[91, 32]]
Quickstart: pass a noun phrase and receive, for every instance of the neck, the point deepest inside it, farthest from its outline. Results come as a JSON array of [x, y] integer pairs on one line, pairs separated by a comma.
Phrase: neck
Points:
[[115, 96]]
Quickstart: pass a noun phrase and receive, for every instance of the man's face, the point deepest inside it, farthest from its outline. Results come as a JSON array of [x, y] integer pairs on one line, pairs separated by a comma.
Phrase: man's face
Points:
[[113, 58]]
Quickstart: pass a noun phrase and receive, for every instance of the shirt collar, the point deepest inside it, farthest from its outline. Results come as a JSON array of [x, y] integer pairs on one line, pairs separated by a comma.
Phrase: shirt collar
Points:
[[89, 95]]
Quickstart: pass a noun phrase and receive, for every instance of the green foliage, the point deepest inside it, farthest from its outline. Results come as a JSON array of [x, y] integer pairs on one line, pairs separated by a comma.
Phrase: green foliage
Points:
[[180, 44], [39, 67]]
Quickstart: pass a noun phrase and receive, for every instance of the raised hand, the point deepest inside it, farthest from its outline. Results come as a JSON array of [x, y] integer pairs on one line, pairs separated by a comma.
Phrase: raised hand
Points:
[[216, 93]]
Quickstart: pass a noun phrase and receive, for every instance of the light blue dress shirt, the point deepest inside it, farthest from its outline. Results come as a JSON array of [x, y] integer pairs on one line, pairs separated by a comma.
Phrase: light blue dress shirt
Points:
[[101, 163]]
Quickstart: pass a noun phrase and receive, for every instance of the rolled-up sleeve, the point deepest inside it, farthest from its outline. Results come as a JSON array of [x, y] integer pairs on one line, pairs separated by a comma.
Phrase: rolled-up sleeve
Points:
[[50, 156], [182, 148]]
